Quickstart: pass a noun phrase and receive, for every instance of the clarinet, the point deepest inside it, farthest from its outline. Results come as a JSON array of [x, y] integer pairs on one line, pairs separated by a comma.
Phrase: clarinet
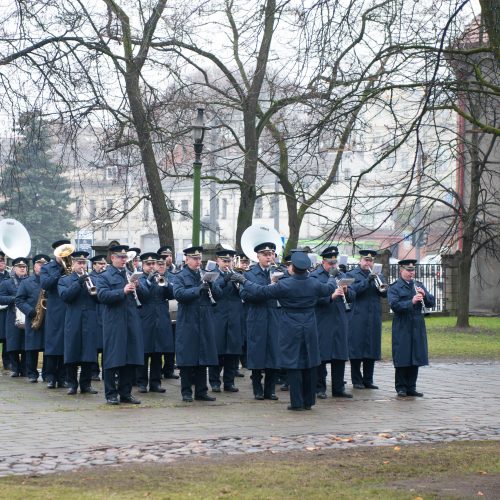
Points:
[[423, 309]]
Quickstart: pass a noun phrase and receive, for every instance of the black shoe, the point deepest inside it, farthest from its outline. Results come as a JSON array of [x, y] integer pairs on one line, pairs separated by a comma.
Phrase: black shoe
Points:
[[259, 397], [32, 380], [130, 399], [14, 374], [307, 407], [230, 388], [157, 388], [239, 374], [272, 397], [341, 395], [371, 386], [187, 399], [112, 400], [142, 388], [284, 387], [415, 394], [321, 395], [402, 394], [71, 391], [205, 397], [51, 385], [216, 388], [62, 385], [89, 390], [171, 375], [295, 408], [96, 378], [358, 386]]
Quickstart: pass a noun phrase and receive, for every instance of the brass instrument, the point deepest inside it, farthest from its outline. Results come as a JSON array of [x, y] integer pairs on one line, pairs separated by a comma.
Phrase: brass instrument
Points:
[[424, 309], [375, 272], [160, 280], [129, 267], [20, 319], [64, 253], [41, 306], [91, 288]]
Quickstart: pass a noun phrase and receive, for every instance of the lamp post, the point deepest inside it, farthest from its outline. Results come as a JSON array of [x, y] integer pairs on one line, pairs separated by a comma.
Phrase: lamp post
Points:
[[198, 134]]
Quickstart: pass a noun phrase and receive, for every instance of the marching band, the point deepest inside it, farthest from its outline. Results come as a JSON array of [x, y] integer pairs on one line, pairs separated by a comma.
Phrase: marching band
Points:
[[297, 317]]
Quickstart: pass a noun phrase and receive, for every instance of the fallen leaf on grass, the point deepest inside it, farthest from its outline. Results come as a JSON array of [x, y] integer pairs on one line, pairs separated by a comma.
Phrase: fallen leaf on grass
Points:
[[480, 494], [397, 448], [483, 472], [384, 435]]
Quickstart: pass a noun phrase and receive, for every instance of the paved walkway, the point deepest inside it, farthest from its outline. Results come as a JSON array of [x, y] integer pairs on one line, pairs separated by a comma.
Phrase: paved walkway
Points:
[[37, 425]]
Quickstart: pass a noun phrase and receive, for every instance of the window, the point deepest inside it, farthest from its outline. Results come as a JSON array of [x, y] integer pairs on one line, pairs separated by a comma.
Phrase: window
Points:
[[224, 209], [111, 173], [145, 210], [336, 177], [78, 208], [259, 208], [347, 174], [184, 209], [109, 206], [92, 209]]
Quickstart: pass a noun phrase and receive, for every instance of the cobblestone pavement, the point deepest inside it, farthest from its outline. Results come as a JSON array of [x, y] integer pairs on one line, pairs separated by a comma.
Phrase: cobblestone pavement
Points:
[[46, 430]]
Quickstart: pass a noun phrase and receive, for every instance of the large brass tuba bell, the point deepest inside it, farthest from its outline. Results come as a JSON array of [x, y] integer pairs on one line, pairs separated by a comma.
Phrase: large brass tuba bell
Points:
[[64, 253]]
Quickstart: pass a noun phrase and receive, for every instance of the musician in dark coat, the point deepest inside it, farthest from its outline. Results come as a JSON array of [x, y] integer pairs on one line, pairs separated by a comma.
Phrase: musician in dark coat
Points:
[[14, 334], [262, 327], [228, 326], [50, 274], [408, 299], [26, 301], [80, 325], [166, 268], [123, 350], [3, 313], [365, 329], [99, 265], [156, 326], [333, 327], [195, 344], [298, 335]]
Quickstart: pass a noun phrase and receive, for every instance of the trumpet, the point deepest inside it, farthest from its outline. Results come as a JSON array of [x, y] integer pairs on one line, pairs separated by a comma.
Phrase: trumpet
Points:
[[160, 280], [90, 285], [375, 272]]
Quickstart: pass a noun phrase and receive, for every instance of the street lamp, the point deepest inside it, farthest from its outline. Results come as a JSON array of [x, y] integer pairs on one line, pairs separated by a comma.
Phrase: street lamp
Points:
[[198, 128]]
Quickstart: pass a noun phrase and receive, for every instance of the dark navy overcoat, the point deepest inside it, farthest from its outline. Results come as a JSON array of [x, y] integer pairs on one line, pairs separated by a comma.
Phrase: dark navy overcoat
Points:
[[56, 309], [365, 328], [14, 335], [3, 312], [409, 335], [228, 315], [333, 321], [99, 309], [298, 334], [194, 331], [263, 318], [26, 300], [122, 329], [80, 322], [155, 317]]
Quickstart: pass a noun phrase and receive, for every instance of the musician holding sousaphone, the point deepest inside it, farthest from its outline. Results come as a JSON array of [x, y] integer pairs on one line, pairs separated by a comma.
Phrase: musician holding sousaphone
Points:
[[31, 302], [15, 320], [4, 274]]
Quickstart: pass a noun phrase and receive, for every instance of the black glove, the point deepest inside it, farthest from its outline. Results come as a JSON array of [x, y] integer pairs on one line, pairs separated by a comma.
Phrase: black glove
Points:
[[32, 314], [82, 279], [238, 278], [371, 277], [227, 277], [204, 286]]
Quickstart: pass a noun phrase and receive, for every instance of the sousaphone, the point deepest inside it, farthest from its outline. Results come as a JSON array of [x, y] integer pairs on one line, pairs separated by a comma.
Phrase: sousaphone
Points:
[[14, 239], [257, 234]]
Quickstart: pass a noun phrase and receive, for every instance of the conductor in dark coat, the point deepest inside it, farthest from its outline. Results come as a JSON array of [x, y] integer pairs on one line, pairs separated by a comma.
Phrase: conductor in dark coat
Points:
[[123, 349], [262, 326], [298, 336], [99, 265], [228, 315], [80, 324], [155, 322], [365, 333], [55, 371], [26, 301], [15, 336], [333, 327], [3, 313], [408, 299], [195, 344]]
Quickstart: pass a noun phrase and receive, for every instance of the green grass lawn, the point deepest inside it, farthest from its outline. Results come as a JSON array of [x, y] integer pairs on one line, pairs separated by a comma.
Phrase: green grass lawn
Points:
[[454, 470], [481, 341]]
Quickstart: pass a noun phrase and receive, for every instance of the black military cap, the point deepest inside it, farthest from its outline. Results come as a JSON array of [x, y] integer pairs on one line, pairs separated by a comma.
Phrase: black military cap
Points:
[[193, 251], [287, 259], [136, 250], [98, 258], [41, 258], [330, 252], [225, 254], [149, 257], [408, 264], [119, 249], [368, 254], [166, 249], [243, 257], [2, 255], [301, 261], [58, 243], [20, 261], [79, 255], [265, 247]]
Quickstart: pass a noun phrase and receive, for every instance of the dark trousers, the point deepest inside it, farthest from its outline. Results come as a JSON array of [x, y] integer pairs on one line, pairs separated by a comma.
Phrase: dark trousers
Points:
[[269, 382], [228, 362], [18, 362], [368, 367], [406, 378], [54, 370], [32, 364], [337, 367], [85, 375], [153, 361], [118, 380], [196, 375], [302, 387], [168, 364], [5, 355], [96, 370], [243, 357]]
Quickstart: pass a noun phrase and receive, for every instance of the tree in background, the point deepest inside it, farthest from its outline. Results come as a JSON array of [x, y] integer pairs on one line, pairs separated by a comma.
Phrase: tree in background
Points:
[[32, 186]]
